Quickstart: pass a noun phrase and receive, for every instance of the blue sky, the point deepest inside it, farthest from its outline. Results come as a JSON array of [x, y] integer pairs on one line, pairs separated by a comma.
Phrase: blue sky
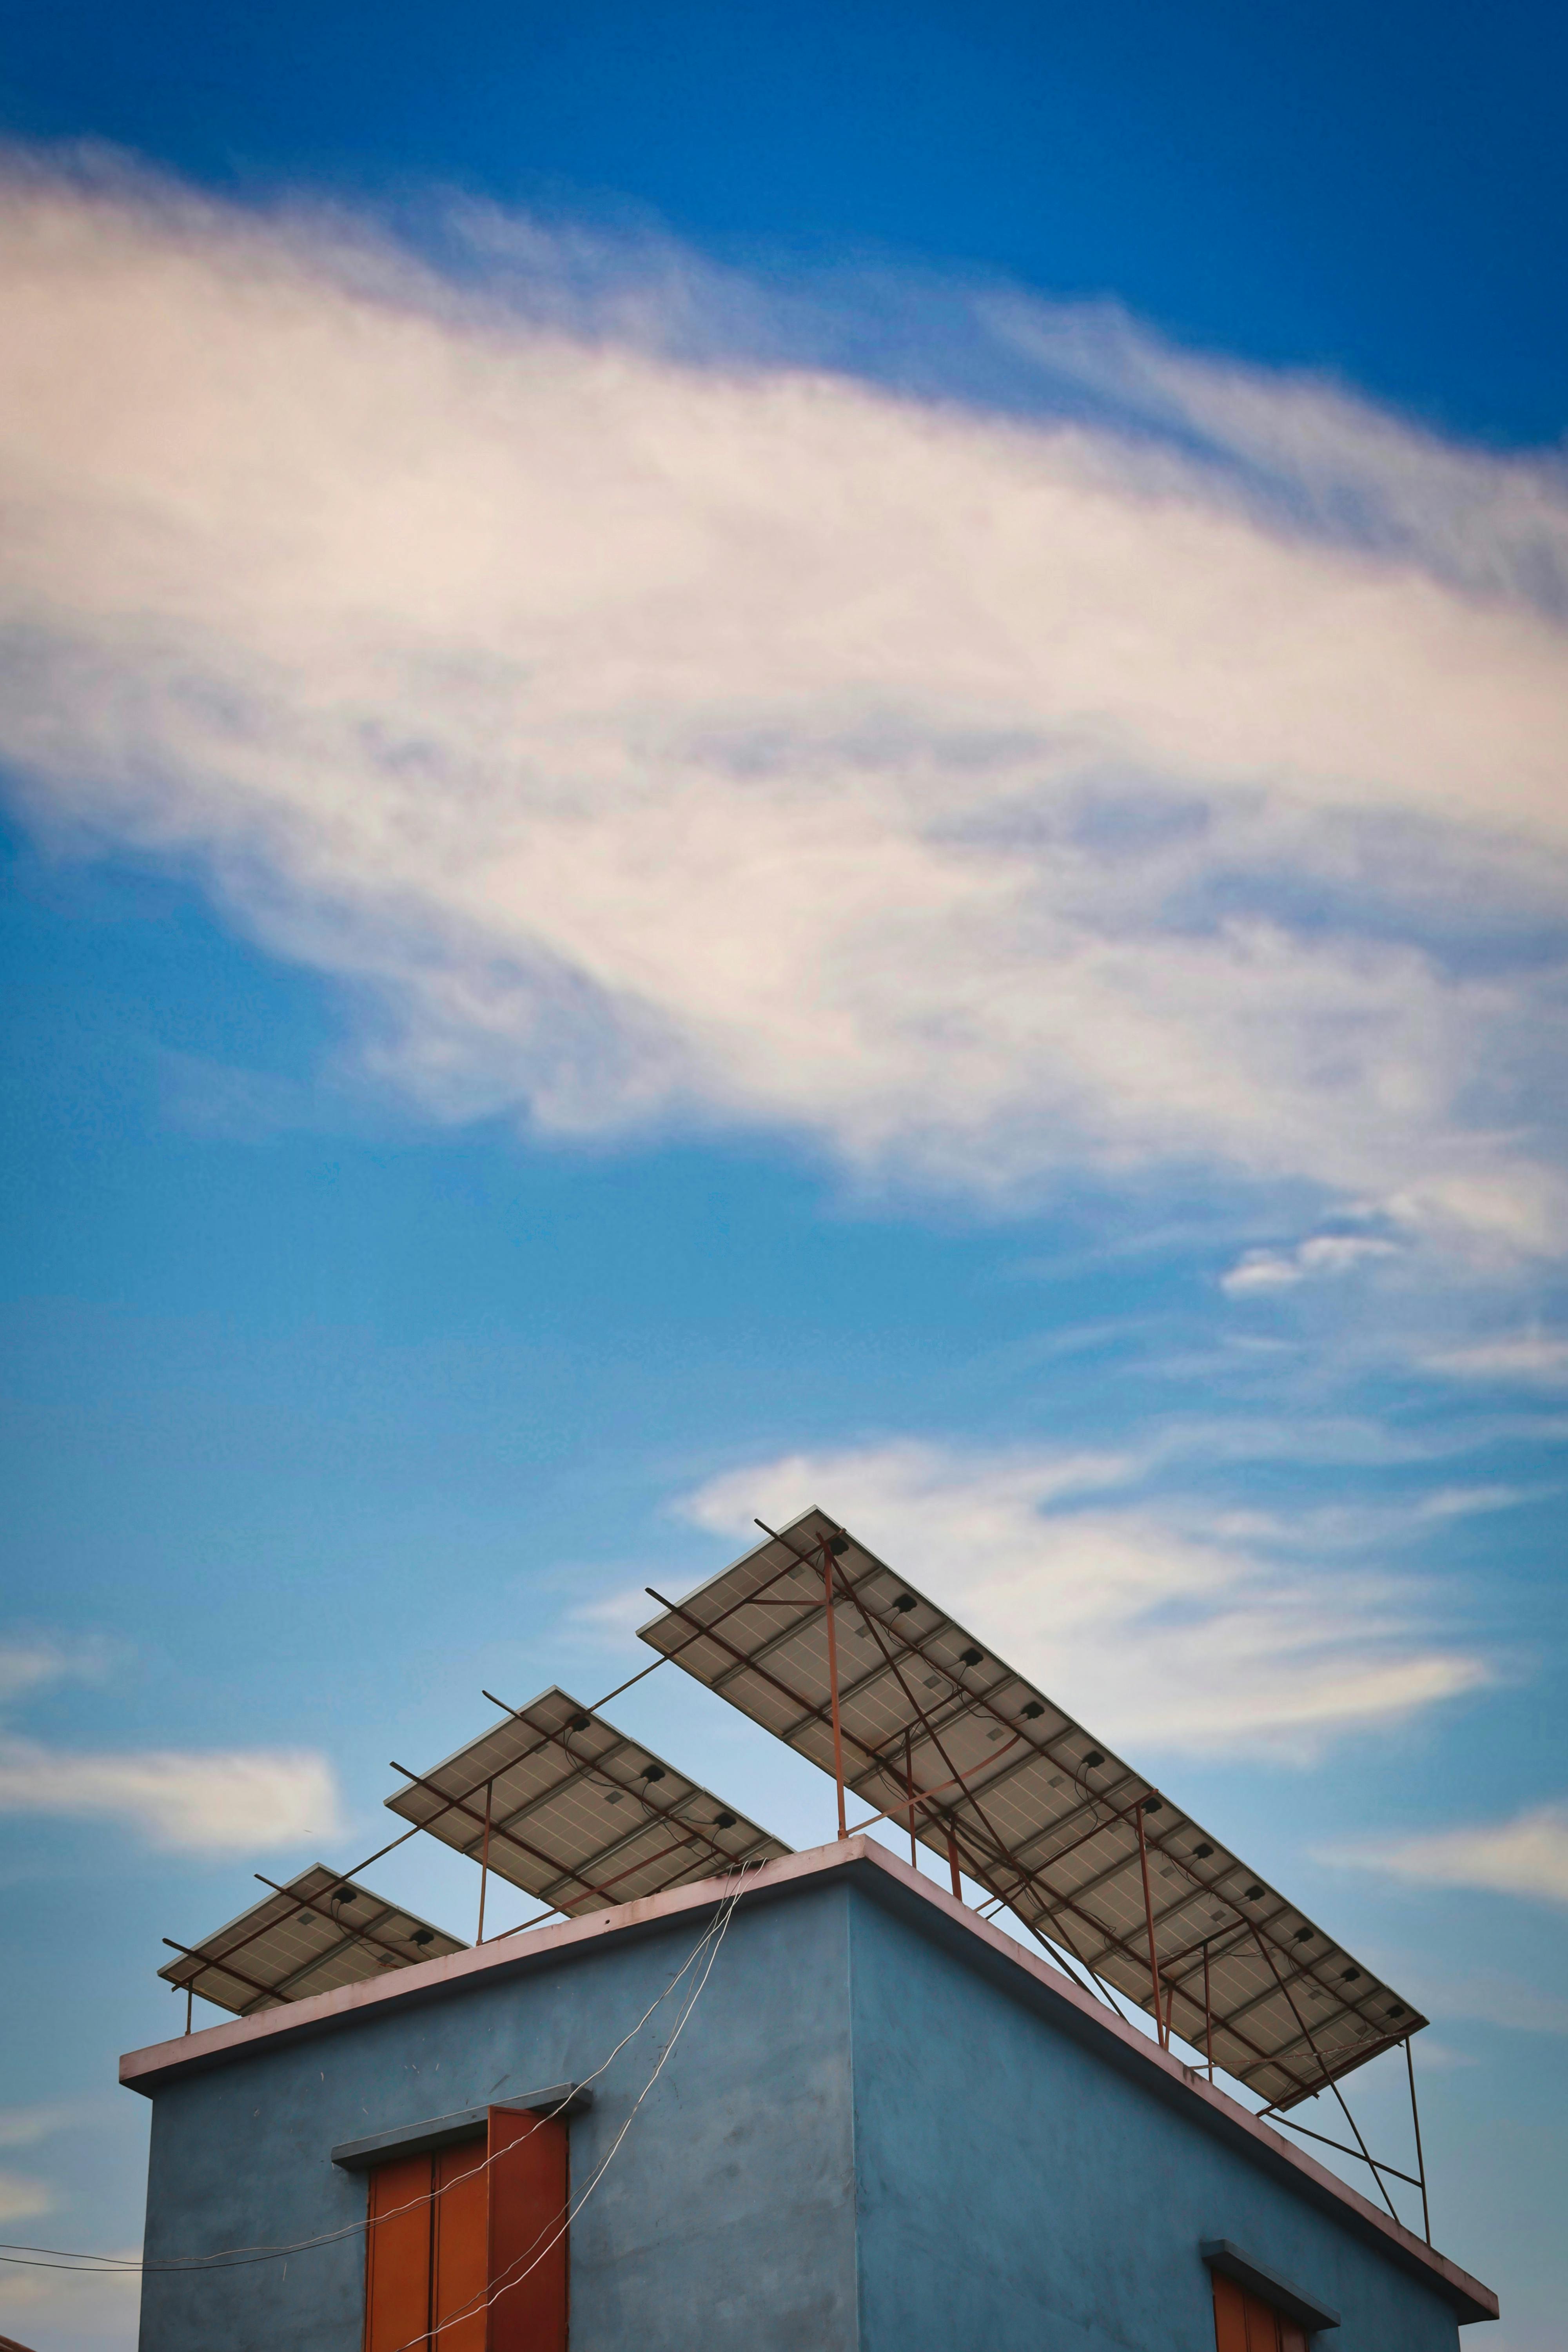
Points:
[[792, 756]]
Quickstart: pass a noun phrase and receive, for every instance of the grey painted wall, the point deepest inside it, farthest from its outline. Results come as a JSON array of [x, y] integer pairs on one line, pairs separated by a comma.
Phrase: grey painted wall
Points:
[[726, 2220], [1017, 2193], [864, 2142]]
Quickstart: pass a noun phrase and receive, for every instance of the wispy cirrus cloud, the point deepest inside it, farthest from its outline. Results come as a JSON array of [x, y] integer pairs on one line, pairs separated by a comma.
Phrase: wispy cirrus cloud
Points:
[[23, 2199], [1526, 1855], [1145, 1620], [186, 1800], [1524, 1358], [1320, 1255], [1061, 754], [190, 1801], [25, 2126], [33, 1662]]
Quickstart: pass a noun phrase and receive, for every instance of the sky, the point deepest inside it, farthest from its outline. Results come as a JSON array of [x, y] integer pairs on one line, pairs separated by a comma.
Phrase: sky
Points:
[[753, 756]]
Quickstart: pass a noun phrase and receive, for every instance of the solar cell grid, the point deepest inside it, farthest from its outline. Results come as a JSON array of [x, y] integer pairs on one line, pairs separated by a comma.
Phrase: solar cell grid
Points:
[[936, 1727], [318, 1933], [558, 1801]]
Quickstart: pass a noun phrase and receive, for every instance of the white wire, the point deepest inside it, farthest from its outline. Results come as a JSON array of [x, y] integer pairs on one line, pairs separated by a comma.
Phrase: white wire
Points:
[[239, 2257], [470, 2310]]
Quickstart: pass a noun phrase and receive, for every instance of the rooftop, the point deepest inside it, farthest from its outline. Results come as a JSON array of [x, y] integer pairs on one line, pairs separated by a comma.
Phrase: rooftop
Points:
[[970, 1938]]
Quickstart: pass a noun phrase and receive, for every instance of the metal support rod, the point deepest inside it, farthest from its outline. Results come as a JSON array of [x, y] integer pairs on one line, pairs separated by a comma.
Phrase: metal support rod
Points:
[[1341, 2149], [833, 1679], [925, 1797], [1054, 1953], [909, 1787], [1420, 2159], [1026, 1875], [485, 1860], [953, 1865], [1159, 2026], [354, 1931], [226, 1968], [1332, 2085], [1208, 2015], [709, 1630], [190, 1995]]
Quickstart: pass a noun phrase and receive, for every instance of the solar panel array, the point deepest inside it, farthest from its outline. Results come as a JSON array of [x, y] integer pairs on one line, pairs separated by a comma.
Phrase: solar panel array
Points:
[[570, 1809], [937, 1731], [316, 1934]]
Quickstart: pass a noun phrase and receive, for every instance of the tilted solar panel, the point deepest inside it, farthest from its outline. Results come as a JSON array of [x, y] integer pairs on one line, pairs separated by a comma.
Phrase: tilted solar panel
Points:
[[939, 1733], [319, 1931], [570, 1809]]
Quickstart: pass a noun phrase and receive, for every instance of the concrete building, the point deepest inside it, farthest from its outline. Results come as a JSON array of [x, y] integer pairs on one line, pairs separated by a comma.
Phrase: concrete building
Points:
[[883, 2126]]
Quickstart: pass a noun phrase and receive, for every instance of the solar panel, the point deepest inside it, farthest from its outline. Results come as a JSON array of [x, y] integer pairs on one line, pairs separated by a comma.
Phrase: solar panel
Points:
[[318, 1932], [570, 1809], [937, 1729]]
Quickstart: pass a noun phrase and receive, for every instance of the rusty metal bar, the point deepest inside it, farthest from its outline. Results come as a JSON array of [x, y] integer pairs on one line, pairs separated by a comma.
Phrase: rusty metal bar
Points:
[[1046, 1748], [552, 1862], [1354, 2154], [807, 1711], [1420, 2159], [833, 1677], [349, 1931], [1161, 2030], [1332, 2085], [485, 1859], [364, 1929], [223, 1968], [1208, 2017], [291, 1894], [971, 1698], [599, 1765]]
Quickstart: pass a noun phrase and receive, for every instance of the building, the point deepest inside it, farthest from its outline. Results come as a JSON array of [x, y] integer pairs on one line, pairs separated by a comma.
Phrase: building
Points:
[[859, 2120]]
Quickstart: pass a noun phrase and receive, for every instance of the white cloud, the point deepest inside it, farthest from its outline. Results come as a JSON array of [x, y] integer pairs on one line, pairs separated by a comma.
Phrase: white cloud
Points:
[[1527, 1856], [82, 2309], [1146, 1630], [23, 2199], [1485, 1994], [219, 1802], [1530, 1357], [25, 2126], [1320, 1255], [31, 1663], [646, 737]]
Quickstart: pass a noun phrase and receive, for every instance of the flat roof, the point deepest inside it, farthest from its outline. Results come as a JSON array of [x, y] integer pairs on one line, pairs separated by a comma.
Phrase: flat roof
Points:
[[941, 1736], [970, 1938]]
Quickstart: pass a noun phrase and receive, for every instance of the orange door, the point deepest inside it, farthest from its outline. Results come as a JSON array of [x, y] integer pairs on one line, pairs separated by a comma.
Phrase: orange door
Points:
[[1245, 2323], [528, 2271], [458, 2280], [397, 2256], [1229, 2315]]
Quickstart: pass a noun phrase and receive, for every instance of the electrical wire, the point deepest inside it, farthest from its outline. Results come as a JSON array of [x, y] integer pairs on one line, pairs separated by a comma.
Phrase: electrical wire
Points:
[[470, 2310], [240, 2257]]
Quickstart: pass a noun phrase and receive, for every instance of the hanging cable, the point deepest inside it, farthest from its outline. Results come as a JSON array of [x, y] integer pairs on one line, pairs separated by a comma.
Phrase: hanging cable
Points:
[[471, 2310], [30, 2257]]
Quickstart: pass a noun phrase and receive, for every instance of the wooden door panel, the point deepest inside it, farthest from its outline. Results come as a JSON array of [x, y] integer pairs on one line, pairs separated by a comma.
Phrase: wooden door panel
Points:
[[462, 2226], [397, 2256], [528, 2254], [1245, 2323]]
